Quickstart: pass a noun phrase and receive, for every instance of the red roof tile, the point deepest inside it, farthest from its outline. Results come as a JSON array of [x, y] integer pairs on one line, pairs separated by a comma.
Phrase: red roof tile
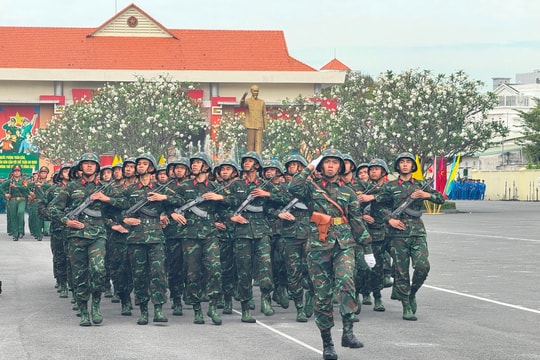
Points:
[[74, 48], [335, 64]]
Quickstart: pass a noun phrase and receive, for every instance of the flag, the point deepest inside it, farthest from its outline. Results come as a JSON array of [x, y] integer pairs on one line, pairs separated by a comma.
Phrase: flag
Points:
[[161, 160], [418, 174], [117, 160], [441, 175], [453, 172]]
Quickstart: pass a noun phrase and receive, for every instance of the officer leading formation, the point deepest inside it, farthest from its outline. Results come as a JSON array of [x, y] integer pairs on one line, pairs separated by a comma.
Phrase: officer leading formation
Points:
[[316, 233]]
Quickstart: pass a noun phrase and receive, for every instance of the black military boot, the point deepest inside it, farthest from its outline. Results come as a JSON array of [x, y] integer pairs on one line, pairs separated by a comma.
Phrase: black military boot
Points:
[[97, 318], [329, 352], [246, 315], [227, 306], [348, 339], [143, 318], [266, 307], [158, 314]]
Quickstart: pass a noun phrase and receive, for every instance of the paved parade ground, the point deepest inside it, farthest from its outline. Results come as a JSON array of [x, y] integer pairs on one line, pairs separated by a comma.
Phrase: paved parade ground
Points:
[[481, 301]]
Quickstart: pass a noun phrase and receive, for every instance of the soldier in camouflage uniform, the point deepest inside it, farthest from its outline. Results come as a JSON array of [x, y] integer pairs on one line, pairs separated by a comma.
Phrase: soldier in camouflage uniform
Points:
[[86, 237], [363, 272], [252, 237], [145, 236], [105, 176], [201, 242], [273, 169], [57, 230], [295, 232], [406, 232], [331, 257], [374, 218], [174, 233], [228, 171], [37, 191], [15, 190]]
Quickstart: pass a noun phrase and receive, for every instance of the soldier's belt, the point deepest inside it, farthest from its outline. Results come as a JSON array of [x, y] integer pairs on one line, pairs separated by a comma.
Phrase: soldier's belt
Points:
[[17, 198], [338, 221], [92, 213], [254, 209]]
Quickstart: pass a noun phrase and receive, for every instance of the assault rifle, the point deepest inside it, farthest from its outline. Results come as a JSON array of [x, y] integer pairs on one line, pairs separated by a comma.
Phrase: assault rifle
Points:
[[192, 205], [407, 202], [74, 214], [250, 198], [141, 203], [294, 202]]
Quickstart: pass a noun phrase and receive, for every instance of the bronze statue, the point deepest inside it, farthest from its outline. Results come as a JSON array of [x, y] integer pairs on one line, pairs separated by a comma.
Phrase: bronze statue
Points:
[[255, 120]]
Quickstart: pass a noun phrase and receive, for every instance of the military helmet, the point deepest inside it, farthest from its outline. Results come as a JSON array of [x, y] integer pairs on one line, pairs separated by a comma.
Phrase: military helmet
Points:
[[117, 165], [105, 168], [253, 155], [379, 162], [204, 157], [405, 155], [148, 157], [353, 163], [128, 160], [272, 163], [181, 160], [73, 170], [229, 162], [335, 153], [90, 157], [162, 167], [294, 157]]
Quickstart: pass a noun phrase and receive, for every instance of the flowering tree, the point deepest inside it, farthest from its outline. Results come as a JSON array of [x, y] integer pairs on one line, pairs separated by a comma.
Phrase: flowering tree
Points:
[[125, 119], [531, 133], [429, 115]]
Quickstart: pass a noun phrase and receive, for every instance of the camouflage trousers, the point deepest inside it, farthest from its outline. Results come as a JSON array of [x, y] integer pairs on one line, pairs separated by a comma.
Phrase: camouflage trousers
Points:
[[203, 268], [362, 273], [408, 251], [277, 256], [148, 272], [295, 264], [332, 269], [248, 252], [376, 276], [59, 255], [120, 267], [87, 259], [176, 272], [229, 278]]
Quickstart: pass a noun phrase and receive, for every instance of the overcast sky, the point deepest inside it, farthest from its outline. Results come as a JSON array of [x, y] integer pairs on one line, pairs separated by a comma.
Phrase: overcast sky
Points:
[[485, 38]]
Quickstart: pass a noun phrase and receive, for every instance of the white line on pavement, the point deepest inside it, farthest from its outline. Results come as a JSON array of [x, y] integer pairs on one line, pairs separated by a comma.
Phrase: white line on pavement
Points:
[[518, 307], [485, 236], [285, 335]]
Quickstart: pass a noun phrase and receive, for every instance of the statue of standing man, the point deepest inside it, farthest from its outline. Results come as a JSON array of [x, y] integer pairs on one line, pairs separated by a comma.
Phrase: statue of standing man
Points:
[[255, 120]]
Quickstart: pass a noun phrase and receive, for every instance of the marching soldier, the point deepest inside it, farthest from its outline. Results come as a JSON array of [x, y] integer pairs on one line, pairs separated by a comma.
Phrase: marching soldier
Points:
[[406, 231], [37, 191], [331, 255], [15, 190], [86, 236]]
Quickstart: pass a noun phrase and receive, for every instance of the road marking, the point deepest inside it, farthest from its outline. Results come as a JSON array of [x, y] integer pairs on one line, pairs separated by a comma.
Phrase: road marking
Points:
[[484, 236], [268, 327], [518, 307]]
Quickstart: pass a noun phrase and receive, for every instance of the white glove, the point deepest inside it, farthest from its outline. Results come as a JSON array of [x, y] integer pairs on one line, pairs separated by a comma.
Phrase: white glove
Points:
[[316, 162], [370, 260]]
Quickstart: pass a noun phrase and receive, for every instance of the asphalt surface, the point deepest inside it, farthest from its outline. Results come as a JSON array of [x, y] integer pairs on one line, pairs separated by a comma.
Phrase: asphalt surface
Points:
[[481, 301]]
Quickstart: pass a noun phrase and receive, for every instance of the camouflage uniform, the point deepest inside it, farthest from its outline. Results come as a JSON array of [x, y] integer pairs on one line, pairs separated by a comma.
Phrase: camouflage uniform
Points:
[[331, 262], [408, 245], [37, 191], [16, 205], [86, 246]]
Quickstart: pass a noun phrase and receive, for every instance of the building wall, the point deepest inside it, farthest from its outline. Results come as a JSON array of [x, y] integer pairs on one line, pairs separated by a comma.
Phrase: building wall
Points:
[[24, 92], [521, 185]]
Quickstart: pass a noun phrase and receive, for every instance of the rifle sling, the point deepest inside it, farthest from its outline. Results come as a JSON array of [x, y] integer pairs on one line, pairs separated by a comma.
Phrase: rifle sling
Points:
[[329, 199]]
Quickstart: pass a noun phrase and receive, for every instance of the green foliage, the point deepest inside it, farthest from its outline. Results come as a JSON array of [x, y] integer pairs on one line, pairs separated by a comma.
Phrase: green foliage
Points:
[[126, 119], [531, 133]]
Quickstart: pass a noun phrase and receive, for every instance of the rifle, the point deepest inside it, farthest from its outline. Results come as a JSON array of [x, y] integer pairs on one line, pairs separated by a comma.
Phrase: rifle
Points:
[[407, 202], [292, 204], [250, 198], [74, 214], [192, 205], [142, 202]]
